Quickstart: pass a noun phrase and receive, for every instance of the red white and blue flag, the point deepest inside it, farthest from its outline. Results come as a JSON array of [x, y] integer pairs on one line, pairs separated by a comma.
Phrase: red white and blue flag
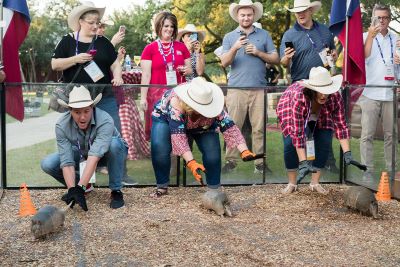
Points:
[[17, 21], [354, 71]]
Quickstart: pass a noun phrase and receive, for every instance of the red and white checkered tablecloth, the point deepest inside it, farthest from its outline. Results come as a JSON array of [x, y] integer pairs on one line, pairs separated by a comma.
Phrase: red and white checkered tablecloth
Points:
[[131, 125]]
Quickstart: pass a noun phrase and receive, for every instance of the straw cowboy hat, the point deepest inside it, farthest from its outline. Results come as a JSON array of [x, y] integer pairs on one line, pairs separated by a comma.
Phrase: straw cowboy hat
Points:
[[257, 7], [191, 28], [77, 12], [321, 81], [107, 22], [79, 98], [204, 97], [301, 5]]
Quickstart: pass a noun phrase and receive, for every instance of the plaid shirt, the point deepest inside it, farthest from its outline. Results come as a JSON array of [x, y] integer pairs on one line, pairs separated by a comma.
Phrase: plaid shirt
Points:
[[293, 110]]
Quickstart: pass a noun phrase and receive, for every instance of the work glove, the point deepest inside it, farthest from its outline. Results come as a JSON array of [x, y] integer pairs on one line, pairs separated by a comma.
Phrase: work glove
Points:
[[305, 167], [195, 168], [348, 159], [76, 195], [247, 155]]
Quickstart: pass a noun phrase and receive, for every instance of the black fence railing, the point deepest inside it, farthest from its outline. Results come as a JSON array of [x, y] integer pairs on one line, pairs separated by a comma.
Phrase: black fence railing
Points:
[[24, 144]]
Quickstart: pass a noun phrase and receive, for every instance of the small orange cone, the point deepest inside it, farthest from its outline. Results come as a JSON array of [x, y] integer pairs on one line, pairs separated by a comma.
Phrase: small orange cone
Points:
[[26, 206], [384, 188]]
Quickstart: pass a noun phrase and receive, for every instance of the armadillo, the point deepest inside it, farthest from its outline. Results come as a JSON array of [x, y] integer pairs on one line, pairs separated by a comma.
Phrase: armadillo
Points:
[[217, 201], [48, 220], [361, 199]]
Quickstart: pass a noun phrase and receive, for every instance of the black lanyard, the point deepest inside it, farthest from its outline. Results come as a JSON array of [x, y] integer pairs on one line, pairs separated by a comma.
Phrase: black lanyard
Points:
[[381, 52], [86, 147]]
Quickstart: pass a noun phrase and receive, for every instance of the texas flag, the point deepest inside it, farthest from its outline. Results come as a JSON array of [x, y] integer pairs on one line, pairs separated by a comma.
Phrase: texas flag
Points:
[[17, 20], [354, 71]]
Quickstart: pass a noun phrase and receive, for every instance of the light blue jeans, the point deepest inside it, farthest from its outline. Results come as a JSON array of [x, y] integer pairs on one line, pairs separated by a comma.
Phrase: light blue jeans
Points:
[[115, 158], [161, 149]]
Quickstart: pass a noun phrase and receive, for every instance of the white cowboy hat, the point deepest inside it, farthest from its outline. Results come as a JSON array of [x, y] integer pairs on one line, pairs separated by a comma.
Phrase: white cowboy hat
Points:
[[257, 25], [204, 97], [77, 12], [321, 81], [301, 5], [257, 7], [191, 28], [219, 51], [79, 98], [107, 22]]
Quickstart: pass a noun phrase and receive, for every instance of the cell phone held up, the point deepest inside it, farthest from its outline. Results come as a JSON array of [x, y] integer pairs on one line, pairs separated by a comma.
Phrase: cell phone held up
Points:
[[92, 52], [289, 45], [193, 37], [374, 21], [122, 28], [242, 33]]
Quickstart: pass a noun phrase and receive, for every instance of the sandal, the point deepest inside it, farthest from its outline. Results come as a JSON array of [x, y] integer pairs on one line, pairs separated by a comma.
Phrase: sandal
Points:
[[159, 192], [290, 188], [317, 187]]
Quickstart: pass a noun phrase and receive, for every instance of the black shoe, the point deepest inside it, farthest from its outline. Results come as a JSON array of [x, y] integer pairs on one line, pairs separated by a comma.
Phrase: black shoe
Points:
[[229, 167], [332, 168], [117, 199]]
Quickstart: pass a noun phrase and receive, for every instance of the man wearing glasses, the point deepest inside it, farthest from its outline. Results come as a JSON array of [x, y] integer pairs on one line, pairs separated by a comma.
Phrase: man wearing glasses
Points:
[[375, 102]]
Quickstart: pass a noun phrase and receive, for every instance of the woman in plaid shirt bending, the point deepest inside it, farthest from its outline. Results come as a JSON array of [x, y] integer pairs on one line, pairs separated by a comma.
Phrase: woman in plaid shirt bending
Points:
[[309, 111]]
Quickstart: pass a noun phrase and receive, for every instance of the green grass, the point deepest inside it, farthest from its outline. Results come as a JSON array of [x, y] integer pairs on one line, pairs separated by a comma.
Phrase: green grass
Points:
[[24, 165]]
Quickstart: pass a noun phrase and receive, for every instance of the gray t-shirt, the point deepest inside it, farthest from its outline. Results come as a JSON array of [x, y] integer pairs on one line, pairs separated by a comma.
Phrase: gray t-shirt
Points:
[[95, 141], [307, 54], [248, 70]]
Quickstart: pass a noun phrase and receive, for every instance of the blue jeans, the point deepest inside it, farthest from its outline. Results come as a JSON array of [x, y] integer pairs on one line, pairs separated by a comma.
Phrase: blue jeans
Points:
[[115, 158], [161, 149], [322, 143], [109, 105]]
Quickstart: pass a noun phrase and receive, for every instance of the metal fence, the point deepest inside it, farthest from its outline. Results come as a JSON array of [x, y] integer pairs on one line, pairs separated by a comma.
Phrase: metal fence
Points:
[[25, 143]]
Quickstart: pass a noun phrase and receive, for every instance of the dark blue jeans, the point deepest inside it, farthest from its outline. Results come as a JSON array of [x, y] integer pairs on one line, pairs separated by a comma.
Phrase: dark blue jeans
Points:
[[109, 105], [322, 142], [161, 149]]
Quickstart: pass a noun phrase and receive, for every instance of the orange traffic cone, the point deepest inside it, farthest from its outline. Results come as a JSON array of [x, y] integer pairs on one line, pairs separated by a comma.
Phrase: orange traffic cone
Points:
[[384, 188], [26, 206]]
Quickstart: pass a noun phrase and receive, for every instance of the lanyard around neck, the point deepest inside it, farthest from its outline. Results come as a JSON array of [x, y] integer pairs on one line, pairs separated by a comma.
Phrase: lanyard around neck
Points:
[[160, 48], [307, 31], [308, 117], [381, 52], [84, 139], [91, 46]]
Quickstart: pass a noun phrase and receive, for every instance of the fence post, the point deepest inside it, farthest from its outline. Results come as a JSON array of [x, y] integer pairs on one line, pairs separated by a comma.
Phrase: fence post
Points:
[[394, 130], [3, 135]]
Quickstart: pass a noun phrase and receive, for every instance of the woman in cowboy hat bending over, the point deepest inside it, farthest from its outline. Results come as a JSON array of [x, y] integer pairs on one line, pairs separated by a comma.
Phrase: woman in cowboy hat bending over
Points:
[[309, 111], [192, 111]]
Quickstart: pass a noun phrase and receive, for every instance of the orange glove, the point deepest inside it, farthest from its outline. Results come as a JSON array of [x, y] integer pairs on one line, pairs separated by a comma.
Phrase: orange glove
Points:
[[195, 168], [247, 155]]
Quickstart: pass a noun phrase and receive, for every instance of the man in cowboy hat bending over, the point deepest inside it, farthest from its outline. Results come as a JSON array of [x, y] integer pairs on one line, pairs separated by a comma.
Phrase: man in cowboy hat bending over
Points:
[[247, 49], [305, 46], [84, 136]]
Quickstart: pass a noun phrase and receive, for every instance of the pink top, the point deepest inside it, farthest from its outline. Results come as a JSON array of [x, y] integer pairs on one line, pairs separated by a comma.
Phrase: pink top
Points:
[[158, 67]]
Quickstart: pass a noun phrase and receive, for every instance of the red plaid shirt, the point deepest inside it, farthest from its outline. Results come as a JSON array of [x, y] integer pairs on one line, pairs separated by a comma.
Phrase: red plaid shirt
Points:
[[293, 109]]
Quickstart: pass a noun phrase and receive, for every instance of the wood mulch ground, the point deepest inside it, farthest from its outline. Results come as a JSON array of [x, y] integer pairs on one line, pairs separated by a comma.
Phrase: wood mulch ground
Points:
[[267, 229]]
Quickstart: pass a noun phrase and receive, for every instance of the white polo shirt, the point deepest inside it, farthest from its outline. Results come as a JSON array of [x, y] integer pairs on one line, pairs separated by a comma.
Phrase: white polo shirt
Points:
[[375, 67]]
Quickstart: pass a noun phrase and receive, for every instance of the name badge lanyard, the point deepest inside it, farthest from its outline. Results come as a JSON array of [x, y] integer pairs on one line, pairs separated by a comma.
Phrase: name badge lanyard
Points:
[[163, 55], [92, 46], [79, 146], [314, 45], [381, 52], [308, 117]]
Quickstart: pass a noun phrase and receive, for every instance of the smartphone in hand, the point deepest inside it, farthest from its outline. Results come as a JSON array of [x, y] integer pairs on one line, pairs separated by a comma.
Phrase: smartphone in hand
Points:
[[193, 37], [92, 52], [289, 44], [122, 28]]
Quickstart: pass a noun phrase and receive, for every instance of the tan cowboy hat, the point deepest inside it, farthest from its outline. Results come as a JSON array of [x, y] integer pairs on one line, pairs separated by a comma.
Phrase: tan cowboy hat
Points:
[[107, 22], [301, 5], [191, 28], [257, 7], [321, 81], [80, 98], [77, 12], [204, 97]]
